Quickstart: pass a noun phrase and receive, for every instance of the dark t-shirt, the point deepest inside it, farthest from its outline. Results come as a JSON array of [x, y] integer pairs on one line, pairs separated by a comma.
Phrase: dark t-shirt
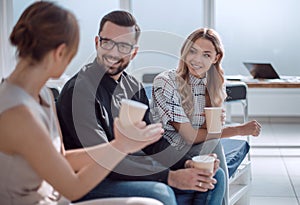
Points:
[[86, 107]]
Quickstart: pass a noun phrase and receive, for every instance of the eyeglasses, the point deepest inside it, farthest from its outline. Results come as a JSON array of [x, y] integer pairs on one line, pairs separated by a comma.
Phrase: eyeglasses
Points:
[[109, 44]]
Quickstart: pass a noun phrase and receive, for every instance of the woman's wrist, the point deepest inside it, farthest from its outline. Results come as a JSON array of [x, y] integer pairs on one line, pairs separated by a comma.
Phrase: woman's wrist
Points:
[[238, 130], [119, 147]]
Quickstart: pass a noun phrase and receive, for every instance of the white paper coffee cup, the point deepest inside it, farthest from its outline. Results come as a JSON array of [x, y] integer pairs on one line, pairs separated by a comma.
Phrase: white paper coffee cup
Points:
[[204, 162], [213, 119], [131, 112]]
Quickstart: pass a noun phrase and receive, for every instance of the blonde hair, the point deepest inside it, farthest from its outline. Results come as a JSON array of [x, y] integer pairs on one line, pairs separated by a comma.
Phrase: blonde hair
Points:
[[215, 75]]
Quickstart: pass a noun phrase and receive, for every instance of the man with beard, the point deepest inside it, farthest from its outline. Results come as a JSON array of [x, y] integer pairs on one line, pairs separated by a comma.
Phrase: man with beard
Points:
[[90, 101]]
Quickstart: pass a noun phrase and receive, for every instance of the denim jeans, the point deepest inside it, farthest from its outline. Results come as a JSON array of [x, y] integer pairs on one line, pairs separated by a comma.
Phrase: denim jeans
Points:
[[160, 191], [113, 188], [171, 154], [214, 146], [212, 197]]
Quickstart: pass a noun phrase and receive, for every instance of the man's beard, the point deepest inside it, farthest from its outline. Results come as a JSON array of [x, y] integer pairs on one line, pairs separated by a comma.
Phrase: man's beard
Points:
[[115, 71], [112, 70]]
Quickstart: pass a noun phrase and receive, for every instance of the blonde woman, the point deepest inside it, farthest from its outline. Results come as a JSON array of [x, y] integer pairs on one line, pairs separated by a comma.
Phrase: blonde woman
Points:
[[179, 98]]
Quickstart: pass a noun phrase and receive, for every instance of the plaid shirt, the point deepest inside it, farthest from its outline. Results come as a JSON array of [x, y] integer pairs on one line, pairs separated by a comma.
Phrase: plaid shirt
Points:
[[167, 105]]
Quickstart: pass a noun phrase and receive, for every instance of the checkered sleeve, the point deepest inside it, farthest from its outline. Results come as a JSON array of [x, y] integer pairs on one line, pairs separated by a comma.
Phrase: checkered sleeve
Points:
[[167, 100]]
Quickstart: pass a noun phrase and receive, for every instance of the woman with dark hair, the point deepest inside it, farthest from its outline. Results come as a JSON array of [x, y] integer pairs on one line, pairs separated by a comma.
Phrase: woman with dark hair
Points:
[[32, 157]]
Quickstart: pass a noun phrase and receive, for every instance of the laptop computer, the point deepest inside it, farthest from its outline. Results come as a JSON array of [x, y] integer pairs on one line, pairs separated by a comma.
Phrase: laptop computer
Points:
[[261, 70]]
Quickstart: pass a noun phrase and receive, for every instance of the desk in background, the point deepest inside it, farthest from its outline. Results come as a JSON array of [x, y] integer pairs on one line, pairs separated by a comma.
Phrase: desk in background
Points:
[[271, 98], [285, 82], [264, 84]]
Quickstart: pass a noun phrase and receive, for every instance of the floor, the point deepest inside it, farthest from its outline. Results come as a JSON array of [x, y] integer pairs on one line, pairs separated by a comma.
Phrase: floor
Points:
[[275, 157]]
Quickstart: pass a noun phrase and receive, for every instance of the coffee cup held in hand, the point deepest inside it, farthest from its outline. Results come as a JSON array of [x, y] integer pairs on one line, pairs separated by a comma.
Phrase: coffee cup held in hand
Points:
[[213, 119], [131, 112], [204, 162]]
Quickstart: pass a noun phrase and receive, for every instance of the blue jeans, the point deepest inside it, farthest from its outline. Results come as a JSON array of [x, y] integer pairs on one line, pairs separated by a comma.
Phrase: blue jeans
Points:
[[171, 155], [113, 188], [212, 197]]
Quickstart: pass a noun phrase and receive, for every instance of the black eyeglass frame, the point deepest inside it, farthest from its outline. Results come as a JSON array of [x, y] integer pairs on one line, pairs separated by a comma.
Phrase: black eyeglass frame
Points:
[[113, 43]]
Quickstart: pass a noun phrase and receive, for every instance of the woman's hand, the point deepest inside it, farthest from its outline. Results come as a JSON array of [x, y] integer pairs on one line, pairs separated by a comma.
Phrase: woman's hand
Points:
[[216, 163], [250, 128], [223, 117], [136, 137]]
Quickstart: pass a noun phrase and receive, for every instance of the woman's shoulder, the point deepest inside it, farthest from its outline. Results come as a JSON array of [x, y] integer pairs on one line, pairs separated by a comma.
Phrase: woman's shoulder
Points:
[[168, 74], [15, 102], [15, 123], [165, 77], [11, 96]]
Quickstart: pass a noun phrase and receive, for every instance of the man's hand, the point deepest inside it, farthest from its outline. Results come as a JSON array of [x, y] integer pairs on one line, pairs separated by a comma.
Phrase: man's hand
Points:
[[191, 179], [190, 163]]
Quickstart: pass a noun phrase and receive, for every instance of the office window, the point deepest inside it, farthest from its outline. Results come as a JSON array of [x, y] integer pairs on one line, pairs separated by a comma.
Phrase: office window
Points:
[[19, 7], [9, 14], [165, 25], [260, 31], [89, 14]]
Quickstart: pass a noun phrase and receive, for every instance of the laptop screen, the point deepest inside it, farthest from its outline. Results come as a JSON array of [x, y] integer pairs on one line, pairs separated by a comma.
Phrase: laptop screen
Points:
[[262, 70]]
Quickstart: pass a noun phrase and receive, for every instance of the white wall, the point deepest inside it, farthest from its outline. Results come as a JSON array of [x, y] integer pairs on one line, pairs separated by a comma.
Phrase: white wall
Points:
[[251, 30], [274, 102], [6, 21], [165, 25], [261, 31], [89, 14]]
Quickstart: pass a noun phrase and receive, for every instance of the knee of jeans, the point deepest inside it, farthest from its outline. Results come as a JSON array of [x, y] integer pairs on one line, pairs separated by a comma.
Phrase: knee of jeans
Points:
[[165, 193], [220, 177], [164, 189]]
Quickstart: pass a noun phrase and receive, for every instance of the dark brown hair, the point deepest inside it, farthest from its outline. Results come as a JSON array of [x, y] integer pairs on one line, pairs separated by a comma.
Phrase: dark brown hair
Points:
[[121, 18], [44, 26]]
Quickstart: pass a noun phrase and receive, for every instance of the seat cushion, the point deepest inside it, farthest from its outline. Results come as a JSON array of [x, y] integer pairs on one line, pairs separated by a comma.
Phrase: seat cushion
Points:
[[148, 89], [235, 151]]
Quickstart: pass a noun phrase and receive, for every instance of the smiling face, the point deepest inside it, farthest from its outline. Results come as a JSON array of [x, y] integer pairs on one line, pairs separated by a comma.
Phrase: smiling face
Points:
[[200, 57], [114, 60]]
